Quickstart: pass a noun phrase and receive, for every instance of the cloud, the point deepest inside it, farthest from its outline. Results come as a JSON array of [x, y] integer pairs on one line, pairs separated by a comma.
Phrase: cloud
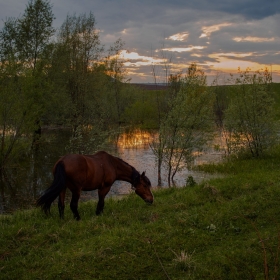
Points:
[[179, 36], [219, 33], [207, 30], [236, 55], [230, 62], [188, 49], [253, 39], [136, 60]]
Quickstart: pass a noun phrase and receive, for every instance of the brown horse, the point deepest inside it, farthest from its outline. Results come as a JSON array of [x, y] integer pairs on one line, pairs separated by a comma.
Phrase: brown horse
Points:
[[90, 172]]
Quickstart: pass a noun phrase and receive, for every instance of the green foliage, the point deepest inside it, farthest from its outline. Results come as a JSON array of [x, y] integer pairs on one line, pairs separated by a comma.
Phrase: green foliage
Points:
[[67, 82], [215, 230], [186, 126], [26, 40], [275, 88], [75, 57], [90, 139], [34, 31], [190, 182], [18, 113], [249, 119], [24, 46], [141, 112]]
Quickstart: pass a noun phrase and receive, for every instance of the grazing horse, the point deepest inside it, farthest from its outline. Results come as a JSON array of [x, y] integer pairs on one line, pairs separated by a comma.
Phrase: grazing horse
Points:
[[90, 172]]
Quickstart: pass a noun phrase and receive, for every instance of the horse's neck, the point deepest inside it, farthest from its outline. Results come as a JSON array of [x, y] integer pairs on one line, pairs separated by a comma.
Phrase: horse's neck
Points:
[[124, 171]]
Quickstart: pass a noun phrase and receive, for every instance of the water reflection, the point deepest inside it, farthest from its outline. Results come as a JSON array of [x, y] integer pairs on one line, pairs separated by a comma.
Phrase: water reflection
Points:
[[21, 185], [135, 139]]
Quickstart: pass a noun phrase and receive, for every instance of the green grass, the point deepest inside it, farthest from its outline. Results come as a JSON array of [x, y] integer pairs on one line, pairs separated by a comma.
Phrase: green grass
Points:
[[226, 228]]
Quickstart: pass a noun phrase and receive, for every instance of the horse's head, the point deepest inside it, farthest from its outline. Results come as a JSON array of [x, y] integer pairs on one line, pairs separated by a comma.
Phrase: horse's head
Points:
[[142, 187]]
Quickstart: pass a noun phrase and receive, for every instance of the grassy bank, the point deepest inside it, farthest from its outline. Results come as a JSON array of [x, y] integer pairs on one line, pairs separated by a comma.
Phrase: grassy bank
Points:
[[227, 228]]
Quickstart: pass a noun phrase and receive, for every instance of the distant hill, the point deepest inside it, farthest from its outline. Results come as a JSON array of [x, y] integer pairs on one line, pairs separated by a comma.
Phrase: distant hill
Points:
[[150, 86]]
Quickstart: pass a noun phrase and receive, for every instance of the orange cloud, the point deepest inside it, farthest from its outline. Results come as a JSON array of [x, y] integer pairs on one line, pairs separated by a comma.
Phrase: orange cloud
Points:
[[226, 64]]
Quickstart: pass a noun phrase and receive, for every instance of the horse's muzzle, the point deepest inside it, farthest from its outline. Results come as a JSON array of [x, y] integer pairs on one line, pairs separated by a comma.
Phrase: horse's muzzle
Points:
[[149, 201]]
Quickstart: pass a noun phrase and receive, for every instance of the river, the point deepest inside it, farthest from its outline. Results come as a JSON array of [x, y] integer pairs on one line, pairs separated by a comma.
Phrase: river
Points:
[[26, 180]]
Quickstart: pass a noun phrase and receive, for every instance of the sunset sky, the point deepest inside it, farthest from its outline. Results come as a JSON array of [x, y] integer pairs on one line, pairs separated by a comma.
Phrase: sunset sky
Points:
[[219, 35]]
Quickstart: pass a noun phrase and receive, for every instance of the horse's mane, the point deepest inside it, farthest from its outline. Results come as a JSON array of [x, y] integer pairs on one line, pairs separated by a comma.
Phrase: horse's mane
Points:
[[124, 161], [135, 174]]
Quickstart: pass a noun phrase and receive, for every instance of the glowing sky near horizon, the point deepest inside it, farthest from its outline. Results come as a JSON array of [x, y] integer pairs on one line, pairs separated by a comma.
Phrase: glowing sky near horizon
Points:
[[219, 36]]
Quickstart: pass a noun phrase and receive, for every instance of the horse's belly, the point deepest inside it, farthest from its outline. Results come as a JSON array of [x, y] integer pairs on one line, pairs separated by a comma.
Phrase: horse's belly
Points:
[[89, 189], [91, 185]]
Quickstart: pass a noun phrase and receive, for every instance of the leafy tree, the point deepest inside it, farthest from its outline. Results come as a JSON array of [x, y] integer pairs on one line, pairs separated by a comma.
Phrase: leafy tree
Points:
[[114, 64], [23, 42], [17, 115], [25, 45], [96, 85], [10, 62], [78, 52], [34, 31], [221, 102], [188, 122], [249, 118], [162, 106]]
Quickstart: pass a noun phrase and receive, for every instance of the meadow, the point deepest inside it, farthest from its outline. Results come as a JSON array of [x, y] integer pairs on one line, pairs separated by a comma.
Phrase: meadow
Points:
[[225, 228]]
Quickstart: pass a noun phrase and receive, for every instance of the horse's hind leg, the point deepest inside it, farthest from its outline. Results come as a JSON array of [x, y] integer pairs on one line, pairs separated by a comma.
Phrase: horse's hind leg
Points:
[[61, 204], [74, 204]]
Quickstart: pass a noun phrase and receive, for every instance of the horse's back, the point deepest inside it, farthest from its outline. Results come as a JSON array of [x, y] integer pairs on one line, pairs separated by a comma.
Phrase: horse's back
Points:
[[100, 156], [103, 162], [88, 171]]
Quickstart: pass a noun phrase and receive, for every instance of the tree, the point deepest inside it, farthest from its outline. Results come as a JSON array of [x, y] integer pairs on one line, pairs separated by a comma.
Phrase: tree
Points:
[[222, 97], [34, 31], [95, 84], [250, 116], [114, 64], [188, 122], [162, 107], [17, 115], [25, 44], [8, 48], [78, 52]]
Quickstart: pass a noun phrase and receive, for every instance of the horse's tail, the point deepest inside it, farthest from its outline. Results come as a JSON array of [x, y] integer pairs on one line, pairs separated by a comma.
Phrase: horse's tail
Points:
[[53, 191]]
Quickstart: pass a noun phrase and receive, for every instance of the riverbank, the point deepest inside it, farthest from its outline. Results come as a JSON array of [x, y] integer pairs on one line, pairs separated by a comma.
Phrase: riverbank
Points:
[[225, 228]]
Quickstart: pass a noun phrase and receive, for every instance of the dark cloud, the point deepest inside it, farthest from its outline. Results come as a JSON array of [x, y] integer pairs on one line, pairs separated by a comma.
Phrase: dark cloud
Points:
[[250, 9]]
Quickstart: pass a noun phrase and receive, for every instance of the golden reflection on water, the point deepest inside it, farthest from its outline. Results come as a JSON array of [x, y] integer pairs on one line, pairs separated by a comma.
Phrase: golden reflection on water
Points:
[[135, 139], [142, 139]]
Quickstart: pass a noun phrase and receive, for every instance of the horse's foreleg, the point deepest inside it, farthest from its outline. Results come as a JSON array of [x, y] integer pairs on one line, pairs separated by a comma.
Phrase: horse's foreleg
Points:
[[74, 204], [61, 204], [101, 195]]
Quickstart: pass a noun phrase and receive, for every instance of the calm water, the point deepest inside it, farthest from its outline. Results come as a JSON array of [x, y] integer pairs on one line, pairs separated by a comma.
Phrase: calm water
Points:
[[23, 183]]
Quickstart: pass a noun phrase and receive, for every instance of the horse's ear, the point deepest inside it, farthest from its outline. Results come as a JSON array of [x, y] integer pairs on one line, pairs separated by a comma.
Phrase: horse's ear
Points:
[[143, 174]]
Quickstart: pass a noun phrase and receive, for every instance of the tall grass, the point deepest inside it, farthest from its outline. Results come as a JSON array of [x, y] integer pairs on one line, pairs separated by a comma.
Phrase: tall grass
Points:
[[225, 228]]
